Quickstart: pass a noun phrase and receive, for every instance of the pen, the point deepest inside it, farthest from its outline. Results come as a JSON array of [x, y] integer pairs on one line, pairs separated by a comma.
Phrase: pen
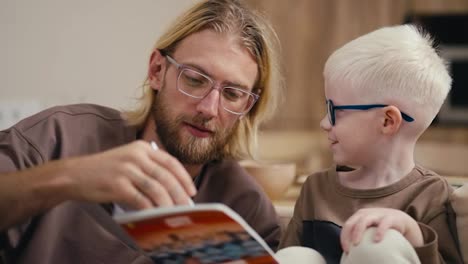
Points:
[[155, 147]]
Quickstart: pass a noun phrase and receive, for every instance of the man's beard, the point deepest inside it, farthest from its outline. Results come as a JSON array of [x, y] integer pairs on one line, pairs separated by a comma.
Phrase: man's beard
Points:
[[189, 149]]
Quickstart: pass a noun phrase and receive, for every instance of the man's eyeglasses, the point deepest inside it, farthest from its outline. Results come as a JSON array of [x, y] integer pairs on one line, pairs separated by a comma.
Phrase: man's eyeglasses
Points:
[[331, 110], [197, 85]]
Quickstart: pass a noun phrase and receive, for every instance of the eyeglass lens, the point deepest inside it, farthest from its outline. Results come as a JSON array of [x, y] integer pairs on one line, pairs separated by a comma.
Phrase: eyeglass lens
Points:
[[331, 112], [197, 85]]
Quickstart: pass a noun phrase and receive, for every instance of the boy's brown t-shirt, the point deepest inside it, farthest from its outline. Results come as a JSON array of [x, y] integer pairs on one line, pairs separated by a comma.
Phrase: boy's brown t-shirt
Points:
[[326, 204]]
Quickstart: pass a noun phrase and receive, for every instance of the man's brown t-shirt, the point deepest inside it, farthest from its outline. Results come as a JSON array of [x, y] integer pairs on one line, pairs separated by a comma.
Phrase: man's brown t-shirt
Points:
[[76, 232]]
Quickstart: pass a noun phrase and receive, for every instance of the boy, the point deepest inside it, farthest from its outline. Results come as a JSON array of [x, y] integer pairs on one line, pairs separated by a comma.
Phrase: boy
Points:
[[382, 91]]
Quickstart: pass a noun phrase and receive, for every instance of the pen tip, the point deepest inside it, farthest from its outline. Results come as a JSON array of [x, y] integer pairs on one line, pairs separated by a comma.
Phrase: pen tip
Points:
[[154, 146]]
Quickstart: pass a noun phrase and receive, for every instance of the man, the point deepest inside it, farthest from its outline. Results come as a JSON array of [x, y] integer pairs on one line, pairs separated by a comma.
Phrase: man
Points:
[[212, 80]]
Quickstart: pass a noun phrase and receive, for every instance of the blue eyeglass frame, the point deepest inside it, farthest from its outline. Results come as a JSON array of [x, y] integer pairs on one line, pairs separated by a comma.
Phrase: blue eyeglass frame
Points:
[[331, 107]]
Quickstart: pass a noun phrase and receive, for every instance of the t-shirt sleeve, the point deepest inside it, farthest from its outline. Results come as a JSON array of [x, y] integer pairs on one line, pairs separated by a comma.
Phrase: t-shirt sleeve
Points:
[[292, 235], [16, 153], [440, 244]]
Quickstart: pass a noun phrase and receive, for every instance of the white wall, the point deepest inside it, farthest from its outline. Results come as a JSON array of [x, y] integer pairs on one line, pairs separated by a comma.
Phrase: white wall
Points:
[[56, 52]]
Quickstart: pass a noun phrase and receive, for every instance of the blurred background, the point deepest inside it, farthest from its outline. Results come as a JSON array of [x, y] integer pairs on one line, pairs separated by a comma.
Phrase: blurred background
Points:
[[55, 52], [310, 30]]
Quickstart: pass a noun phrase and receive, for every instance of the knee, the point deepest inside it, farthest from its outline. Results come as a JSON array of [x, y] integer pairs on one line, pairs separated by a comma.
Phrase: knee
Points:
[[299, 255], [394, 248]]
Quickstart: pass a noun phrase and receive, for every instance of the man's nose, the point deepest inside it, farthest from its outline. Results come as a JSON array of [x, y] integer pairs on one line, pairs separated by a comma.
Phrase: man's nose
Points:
[[209, 105]]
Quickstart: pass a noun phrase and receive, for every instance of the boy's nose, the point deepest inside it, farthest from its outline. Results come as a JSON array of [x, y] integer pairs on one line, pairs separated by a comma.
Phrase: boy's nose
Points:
[[209, 105], [325, 123]]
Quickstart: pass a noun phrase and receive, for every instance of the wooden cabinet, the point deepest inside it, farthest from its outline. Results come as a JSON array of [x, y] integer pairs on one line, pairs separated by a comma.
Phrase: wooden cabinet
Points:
[[438, 6], [456, 135], [309, 31]]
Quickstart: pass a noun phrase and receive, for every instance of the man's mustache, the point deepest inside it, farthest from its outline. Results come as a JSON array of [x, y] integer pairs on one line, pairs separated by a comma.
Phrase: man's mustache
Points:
[[201, 121]]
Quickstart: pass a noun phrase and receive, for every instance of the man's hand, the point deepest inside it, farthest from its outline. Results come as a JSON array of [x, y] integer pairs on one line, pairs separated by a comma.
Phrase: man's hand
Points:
[[135, 175], [383, 219]]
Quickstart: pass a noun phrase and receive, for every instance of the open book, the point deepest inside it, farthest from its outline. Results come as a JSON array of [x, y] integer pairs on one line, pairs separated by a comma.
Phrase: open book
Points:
[[204, 233]]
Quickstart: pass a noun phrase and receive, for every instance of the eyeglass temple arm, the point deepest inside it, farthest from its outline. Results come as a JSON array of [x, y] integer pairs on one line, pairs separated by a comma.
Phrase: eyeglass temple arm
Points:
[[406, 117]]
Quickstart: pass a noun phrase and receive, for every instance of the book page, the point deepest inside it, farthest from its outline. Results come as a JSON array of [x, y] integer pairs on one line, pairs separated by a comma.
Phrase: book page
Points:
[[202, 234]]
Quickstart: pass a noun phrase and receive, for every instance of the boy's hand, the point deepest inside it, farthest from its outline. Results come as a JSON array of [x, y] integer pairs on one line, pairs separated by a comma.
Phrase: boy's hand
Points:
[[383, 219]]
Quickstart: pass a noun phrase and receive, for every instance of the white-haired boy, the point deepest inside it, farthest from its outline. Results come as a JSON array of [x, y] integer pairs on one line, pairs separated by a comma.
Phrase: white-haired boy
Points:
[[376, 205]]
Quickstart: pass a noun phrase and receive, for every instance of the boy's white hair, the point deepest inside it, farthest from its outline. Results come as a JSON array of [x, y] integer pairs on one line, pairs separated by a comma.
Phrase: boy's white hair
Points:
[[393, 65]]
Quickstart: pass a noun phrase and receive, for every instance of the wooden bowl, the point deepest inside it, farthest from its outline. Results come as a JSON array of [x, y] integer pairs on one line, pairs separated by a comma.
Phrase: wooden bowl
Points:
[[275, 177]]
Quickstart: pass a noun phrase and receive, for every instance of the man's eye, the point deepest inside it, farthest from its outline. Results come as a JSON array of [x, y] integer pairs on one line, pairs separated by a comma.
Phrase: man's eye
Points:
[[233, 94], [194, 80]]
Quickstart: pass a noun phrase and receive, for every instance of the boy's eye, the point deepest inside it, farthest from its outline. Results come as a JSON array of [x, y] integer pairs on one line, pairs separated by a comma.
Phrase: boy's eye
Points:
[[339, 112]]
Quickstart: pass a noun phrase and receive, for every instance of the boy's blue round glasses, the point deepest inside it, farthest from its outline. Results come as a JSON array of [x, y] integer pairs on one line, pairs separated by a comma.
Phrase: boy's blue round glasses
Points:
[[331, 110]]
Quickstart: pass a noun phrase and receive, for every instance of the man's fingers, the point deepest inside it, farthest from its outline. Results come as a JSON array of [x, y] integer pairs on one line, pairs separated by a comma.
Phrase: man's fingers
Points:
[[175, 168], [143, 177], [171, 185], [132, 197], [164, 182], [141, 201], [153, 190]]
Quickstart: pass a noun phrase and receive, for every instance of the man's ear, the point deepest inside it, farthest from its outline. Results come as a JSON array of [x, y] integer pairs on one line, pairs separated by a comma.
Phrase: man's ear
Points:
[[392, 120], [156, 70]]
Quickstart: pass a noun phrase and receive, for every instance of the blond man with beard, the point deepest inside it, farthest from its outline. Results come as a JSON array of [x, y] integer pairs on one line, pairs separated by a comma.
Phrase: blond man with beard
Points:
[[212, 79]]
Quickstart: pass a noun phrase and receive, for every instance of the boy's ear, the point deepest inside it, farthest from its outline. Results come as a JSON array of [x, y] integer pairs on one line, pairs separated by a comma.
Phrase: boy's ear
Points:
[[156, 70], [392, 120]]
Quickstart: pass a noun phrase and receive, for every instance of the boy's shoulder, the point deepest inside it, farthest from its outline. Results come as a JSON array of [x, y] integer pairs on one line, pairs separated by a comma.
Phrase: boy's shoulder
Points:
[[432, 182], [319, 176], [430, 177], [319, 180]]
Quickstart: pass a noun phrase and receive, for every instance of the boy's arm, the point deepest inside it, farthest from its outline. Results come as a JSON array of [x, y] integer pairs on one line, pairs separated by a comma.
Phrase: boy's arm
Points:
[[383, 219], [433, 243], [439, 243], [436, 224]]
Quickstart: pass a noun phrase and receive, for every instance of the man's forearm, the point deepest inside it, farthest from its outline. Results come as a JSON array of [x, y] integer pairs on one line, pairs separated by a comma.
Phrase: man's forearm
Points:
[[26, 193]]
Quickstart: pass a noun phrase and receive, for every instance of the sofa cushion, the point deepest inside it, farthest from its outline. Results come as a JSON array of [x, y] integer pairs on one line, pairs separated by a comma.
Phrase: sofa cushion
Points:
[[459, 202]]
